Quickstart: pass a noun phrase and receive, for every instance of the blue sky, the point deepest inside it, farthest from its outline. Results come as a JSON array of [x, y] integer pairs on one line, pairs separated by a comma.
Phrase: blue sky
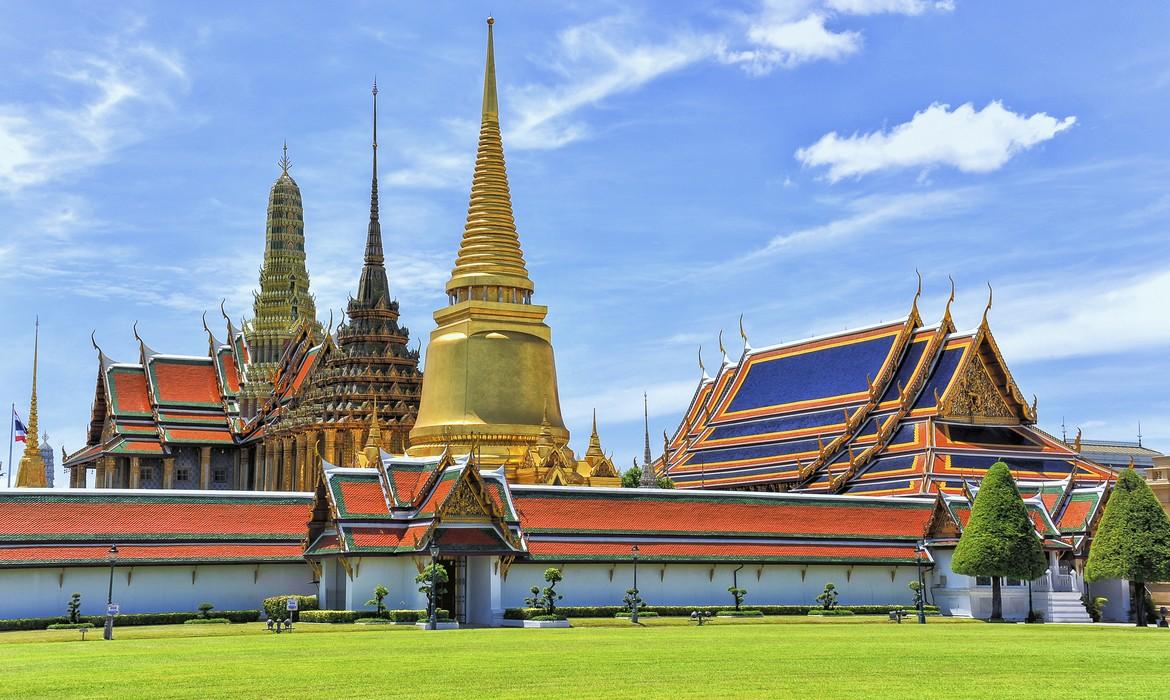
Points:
[[671, 167]]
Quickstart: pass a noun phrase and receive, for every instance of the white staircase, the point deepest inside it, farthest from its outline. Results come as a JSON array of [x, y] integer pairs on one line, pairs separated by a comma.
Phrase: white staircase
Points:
[[1065, 607]]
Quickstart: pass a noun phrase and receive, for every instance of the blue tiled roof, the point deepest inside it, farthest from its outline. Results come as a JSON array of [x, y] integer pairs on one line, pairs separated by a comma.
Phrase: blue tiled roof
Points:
[[731, 454], [888, 464], [906, 370], [802, 421], [820, 374], [940, 376]]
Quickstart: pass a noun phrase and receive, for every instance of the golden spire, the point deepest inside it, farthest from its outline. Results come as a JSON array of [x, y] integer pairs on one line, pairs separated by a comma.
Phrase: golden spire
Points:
[[594, 441], [31, 473], [490, 255]]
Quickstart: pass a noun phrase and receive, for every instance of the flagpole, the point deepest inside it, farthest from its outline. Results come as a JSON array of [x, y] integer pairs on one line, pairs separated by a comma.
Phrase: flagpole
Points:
[[11, 439]]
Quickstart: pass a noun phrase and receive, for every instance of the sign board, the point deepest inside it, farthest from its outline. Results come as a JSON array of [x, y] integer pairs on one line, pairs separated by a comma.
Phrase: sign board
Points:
[[112, 609], [291, 604]]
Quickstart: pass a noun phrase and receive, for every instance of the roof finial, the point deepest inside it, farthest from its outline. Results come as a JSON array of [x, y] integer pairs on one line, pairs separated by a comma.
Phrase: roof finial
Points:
[[135, 327], [594, 421], [990, 296], [93, 340], [490, 102], [702, 368], [950, 299], [284, 162], [1139, 433], [743, 334], [917, 294], [722, 349]]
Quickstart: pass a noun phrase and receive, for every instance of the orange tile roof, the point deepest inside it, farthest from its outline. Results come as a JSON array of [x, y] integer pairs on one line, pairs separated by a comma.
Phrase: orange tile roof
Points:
[[362, 497], [231, 372], [722, 515], [130, 390], [99, 516], [200, 435], [542, 549], [140, 554], [185, 383]]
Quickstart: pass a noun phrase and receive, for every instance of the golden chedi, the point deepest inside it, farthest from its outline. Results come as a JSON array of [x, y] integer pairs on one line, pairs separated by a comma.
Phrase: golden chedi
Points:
[[490, 381], [31, 472]]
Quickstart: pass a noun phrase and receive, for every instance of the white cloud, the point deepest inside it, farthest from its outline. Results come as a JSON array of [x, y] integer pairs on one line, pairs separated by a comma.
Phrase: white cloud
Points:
[[788, 33], [122, 88], [1091, 317], [869, 214], [598, 60], [778, 41], [975, 141], [901, 7]]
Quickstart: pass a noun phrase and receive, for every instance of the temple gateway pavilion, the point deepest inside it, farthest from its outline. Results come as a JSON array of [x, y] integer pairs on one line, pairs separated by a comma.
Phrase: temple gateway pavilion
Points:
[[299, 458]]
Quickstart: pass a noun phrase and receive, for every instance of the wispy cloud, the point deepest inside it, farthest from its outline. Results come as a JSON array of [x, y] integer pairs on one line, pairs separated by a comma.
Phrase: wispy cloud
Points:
[[870, 214], [123, 86], [788, 33], [598, 60], [1115, 314], [974, 141]]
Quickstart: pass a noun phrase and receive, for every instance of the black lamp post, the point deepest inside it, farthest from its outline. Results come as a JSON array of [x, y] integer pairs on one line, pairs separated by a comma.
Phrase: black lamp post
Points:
[[108, 632], [434, 591], [634, 610], [919, 550]]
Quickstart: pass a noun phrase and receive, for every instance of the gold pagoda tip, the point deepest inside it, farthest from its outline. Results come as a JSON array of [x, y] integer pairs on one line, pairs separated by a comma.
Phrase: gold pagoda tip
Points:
[[490, 102], [491, 20]]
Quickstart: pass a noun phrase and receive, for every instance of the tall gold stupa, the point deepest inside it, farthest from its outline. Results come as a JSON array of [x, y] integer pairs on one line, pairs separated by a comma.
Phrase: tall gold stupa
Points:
[[490, 381], [31, 473]]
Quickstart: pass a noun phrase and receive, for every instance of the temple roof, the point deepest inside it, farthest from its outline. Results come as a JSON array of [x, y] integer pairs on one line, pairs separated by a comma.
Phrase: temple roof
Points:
[[41, 527], [898, 408]]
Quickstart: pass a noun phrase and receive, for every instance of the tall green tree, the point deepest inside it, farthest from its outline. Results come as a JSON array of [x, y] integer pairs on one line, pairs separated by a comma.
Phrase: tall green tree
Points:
[[1000, 539], [632, 478], [1133, 540]]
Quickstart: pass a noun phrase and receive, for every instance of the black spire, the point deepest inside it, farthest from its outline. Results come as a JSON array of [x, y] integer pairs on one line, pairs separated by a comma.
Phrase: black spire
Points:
[[373, 285]]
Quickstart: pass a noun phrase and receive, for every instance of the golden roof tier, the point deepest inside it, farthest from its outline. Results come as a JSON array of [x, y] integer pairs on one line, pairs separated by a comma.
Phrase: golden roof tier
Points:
[[490, 379]]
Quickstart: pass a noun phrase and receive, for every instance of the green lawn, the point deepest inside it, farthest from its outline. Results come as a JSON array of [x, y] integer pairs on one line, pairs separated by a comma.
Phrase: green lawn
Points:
[[850, 658]]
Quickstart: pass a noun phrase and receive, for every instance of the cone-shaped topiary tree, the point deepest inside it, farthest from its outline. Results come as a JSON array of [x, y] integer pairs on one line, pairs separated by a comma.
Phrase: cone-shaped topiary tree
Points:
[[1000, 539], [1132, 541]]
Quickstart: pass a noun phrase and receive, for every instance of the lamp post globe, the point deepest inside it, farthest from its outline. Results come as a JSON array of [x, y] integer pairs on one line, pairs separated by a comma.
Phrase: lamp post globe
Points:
[[108, 631]]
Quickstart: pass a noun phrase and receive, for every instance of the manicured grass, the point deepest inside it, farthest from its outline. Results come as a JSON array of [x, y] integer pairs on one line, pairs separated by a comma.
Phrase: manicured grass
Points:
[[777, 657]]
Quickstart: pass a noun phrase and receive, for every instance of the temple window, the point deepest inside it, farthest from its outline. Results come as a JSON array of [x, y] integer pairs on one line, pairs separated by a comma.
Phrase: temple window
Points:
[[145, 474], [219, 475], [182, 474]]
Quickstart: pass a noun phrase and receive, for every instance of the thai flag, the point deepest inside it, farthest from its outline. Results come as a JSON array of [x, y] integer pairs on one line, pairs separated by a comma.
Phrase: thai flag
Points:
[[21, 431]]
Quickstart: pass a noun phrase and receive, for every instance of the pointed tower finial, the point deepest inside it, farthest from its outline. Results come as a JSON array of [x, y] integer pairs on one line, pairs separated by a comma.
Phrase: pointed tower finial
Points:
[[489, 254], [743, 334], [31, 472], [649, 478], [284, 162], [373, 285]]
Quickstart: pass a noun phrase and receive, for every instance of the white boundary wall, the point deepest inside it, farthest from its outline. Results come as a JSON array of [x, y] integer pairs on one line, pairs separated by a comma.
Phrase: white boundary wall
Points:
[[707, 584], [138, 589]]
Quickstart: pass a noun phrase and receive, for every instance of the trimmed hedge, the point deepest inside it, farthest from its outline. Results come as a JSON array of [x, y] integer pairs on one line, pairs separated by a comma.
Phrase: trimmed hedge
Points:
[[835, 612], [276, 607], [348, 616], [686, 610], [739, 613], [208, 621], [129, 620], [626, 613], [71, 626]]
